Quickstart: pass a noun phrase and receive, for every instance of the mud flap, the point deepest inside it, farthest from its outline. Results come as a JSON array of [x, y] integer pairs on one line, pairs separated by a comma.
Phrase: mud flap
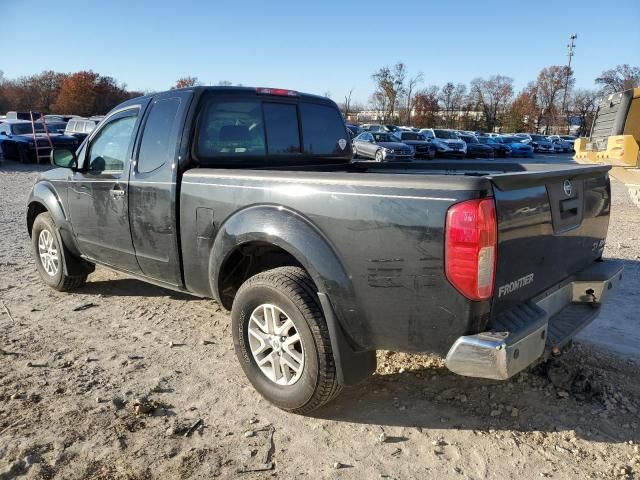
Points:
[[351, 367]]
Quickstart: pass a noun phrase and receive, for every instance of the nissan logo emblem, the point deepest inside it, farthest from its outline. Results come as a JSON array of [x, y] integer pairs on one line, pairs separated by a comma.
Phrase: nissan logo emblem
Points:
[[567, 188]]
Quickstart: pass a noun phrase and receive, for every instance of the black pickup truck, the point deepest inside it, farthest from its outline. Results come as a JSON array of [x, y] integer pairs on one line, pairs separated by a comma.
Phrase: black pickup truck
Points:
[[250, 196]]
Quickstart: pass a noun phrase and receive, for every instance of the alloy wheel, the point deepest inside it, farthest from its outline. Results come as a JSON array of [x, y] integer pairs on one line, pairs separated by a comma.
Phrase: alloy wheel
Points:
[[276, 344], [48, 253]]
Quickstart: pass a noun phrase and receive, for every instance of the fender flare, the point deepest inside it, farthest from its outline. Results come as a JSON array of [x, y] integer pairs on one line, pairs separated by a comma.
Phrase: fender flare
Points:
[[45, 195], [291, 231]]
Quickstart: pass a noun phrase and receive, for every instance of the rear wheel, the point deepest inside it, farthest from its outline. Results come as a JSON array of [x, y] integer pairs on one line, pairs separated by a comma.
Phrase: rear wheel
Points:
[[49, 254], [282, 340]]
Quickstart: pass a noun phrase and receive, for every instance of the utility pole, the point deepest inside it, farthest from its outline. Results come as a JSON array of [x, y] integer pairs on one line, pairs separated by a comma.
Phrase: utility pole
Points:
[[570, 47]]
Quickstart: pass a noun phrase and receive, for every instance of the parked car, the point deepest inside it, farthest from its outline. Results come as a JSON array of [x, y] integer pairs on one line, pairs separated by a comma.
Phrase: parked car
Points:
[[540, 143], [390, 128], [381, 146], [53, 126], [354, 130], [562, 144], [80, 127], [59, 118], [421, 146], [373, 127], [321, 261], [447, 142], [518, 147], [476, 149], [18, 143], [558, 147], [500, 149]]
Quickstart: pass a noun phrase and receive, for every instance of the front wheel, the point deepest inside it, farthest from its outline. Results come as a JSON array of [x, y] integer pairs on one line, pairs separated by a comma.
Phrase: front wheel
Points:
[[282, 340], [49, 253], [379, 156]]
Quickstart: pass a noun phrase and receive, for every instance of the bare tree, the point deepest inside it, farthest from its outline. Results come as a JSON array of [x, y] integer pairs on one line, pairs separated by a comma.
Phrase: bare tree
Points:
[[622, 77], [410, 88], [584, 105], [346, 107], [224, 83], [491, 96], [550, 83], [452, 97], [390, 85]]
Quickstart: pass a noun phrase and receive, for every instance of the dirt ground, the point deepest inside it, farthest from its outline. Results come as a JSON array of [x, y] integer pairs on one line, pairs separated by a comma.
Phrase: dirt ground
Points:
[[125, 380]]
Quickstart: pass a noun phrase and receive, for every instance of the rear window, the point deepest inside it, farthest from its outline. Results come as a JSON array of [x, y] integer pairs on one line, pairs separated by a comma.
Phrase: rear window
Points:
[[323, 129], [283, 134], [252, 131], [231, 130]]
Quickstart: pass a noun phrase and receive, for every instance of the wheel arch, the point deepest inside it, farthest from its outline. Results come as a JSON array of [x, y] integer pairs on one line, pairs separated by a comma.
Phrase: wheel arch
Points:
[[44, 198], [291, 239]]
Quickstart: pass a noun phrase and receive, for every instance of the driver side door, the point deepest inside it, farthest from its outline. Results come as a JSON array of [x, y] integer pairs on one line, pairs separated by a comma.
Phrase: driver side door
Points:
[[98, 193]]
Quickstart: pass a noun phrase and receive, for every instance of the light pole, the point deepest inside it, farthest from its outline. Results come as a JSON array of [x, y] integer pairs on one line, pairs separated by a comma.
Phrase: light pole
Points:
[[570, 47]]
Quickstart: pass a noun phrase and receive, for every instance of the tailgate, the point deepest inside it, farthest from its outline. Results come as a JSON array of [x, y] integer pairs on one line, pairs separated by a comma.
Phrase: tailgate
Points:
[[551, 224]]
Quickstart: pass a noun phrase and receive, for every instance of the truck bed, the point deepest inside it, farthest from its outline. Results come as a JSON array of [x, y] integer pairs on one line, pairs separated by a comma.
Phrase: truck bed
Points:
[[385, 224]]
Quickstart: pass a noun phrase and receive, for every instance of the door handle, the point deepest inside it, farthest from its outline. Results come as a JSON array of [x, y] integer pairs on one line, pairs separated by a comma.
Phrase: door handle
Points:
[[117, 191]]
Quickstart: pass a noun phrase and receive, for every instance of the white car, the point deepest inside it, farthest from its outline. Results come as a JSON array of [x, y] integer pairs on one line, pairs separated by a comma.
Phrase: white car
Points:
[[447, 142]]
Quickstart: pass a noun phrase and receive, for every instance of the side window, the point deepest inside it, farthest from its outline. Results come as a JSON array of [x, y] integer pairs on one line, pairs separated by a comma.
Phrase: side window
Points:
[[71, 126], [108, 150], [322, 129], [158, 138], [281, 122], [231, 130], [89, 126]]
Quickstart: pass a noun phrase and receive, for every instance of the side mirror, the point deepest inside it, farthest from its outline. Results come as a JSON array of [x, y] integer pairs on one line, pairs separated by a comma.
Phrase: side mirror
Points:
[[64, 158]]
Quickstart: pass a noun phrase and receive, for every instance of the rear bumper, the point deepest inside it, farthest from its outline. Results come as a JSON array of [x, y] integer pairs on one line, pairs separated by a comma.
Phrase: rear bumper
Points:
[[528, 333]]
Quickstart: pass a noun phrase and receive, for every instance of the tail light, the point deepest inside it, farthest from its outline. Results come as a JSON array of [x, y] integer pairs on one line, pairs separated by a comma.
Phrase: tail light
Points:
[[470, 247], [277, 91]]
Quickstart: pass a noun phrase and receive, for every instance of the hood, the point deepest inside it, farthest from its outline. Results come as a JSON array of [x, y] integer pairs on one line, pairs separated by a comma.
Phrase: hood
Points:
[[394, 145]]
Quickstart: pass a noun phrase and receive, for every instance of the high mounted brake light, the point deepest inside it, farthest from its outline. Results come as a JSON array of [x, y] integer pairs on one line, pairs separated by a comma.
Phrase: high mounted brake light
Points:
[[277, 91], [470, 247]]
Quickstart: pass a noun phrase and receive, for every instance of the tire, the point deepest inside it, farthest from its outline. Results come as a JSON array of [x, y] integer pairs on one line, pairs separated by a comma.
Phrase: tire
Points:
[[378, 156], [355, 152], [292, 294], [43, 234]]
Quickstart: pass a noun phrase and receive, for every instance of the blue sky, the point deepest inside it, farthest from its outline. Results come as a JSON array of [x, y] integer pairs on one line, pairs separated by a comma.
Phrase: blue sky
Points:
[[314, 47]]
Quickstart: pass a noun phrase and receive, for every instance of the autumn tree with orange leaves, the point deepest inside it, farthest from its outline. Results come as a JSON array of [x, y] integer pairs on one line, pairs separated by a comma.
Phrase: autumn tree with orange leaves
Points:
[[88, 93]]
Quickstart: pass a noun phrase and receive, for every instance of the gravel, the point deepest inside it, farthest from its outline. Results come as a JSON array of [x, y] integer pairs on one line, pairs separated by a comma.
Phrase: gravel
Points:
[[51, 425]]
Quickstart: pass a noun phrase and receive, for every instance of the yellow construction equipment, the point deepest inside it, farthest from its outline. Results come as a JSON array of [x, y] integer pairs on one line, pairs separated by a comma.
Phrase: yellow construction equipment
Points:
[[615, 133]]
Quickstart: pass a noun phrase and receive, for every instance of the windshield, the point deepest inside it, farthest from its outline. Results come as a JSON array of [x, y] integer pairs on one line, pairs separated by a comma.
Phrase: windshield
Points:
[[446, 134], [539, 138], [469, 139], [486, 140], [412, 136], [383, 137], [25, 128], [568, 137]]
